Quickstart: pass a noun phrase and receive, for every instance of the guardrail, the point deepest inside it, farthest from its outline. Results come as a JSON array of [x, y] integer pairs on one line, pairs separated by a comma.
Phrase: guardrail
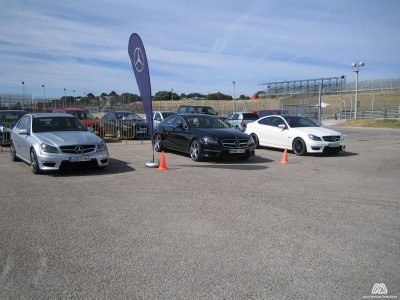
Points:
[[370, 114]]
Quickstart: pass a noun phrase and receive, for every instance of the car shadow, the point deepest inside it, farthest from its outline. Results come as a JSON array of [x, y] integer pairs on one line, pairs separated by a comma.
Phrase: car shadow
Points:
[[327, 154], [115, 166], [251, 164]]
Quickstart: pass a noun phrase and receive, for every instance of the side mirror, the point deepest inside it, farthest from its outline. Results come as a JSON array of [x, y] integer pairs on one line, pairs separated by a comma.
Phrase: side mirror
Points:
[[23, 132], [179, 125], [282, 126]]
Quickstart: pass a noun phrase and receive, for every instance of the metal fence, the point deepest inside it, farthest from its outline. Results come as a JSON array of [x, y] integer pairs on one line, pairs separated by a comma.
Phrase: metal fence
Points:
[[370, 114]]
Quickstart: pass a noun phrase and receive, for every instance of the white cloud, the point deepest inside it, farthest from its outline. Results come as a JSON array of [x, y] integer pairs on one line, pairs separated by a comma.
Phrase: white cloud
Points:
[[193, 46]]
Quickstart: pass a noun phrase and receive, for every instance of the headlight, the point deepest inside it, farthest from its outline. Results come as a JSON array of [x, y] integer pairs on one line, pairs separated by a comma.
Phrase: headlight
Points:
[[5, 129], [48, 148], [251, 141], [101, 147], [210, 140], [314, 137]]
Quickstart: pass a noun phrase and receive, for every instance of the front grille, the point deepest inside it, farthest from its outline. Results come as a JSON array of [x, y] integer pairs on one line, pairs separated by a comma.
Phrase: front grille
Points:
[[235, 143], [331, 138], [78, 149]]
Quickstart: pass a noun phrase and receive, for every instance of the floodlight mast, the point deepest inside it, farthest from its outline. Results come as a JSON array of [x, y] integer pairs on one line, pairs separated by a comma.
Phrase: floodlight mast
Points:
[[356, 65]]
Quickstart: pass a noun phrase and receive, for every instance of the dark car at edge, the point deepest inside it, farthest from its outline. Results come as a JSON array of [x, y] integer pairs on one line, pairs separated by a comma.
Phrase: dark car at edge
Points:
[[8, 118], [202, 136]]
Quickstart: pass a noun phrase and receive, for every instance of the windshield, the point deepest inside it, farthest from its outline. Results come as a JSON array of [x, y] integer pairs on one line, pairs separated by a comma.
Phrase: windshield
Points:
[[127, 116], [82, 115], [11, 116], [205, 110], [295, 121], [205, 122], [167, 114], [51, 124], [250, 116]]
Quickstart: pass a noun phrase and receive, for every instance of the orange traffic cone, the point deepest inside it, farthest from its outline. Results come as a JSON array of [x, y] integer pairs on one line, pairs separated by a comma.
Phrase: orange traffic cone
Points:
[[284, 157], [163, 163]]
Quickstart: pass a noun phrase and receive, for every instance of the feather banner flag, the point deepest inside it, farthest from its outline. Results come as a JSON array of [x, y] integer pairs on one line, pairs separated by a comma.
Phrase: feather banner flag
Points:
[[141, 69]]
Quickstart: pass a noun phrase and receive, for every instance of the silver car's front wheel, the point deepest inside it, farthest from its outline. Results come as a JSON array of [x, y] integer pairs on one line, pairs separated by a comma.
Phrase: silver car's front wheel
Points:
[[195, 150], [13, 152], [34, 163]]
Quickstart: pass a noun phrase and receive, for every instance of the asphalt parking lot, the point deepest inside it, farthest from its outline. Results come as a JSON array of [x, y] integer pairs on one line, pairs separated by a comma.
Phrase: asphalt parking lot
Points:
[[320, 227]]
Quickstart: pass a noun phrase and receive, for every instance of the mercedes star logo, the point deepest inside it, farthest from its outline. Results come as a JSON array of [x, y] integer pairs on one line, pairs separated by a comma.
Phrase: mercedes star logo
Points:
[[139, 59], [78, 149], [237, 143]]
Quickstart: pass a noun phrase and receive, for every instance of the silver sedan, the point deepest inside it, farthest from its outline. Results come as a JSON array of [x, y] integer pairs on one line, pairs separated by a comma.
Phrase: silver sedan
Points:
[[51, 141]]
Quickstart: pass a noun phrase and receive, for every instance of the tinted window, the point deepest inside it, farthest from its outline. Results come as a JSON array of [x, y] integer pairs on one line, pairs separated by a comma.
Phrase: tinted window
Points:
[[170, 121], [250, 116], [265, 121], [276, 121], [295, 121], [205, 122], [11, 116], [167, 114]]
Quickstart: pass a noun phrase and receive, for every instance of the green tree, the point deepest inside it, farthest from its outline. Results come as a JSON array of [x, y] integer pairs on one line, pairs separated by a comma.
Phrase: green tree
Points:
[[218, 96]]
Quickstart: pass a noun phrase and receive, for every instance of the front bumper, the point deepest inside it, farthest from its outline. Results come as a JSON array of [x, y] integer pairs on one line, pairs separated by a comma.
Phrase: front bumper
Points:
[[57, 161], [216, 151], [323, 147]]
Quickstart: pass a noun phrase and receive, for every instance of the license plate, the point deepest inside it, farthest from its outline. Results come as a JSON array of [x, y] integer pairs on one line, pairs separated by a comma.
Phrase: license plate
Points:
[[334, 144], [79, 158], [236, 150]]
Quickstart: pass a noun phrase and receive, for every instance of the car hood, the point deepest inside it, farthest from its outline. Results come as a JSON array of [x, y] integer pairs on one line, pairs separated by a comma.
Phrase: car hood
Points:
[[318, 131], [60, 138], [221, 133]]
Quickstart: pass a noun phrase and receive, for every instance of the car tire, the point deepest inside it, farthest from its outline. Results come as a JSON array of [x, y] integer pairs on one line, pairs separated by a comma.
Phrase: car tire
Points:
[[157, 143], [34, 162], [255, 139], [13, 153], [195, 150], [299, 147]]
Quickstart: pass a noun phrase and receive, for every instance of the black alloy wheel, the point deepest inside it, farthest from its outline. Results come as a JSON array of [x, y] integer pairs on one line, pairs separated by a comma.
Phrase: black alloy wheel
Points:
[[255, 139], [299, 147], [157, 143], [34, 163], [195, 150]]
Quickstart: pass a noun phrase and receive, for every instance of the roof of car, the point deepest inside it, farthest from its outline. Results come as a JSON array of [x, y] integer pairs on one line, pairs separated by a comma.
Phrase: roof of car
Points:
[[44, 115], [69, 109], [13, 110]]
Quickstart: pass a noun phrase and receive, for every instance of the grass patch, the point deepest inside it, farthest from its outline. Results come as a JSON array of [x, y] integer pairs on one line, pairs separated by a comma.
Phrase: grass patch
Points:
[[386, 123]]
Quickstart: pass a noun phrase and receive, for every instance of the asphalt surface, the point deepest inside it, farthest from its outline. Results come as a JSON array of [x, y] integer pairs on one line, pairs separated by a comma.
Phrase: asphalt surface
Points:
[[320, 227]]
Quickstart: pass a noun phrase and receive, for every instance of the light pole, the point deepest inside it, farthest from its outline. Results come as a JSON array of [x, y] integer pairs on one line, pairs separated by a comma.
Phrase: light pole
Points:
[[65, 96], [234, 92], [44, 97], [74, 98], [23, 94], [172, 94], [356, 65]]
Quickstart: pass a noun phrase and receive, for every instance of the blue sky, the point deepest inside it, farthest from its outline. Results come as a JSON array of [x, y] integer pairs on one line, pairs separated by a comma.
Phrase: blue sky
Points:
[[193, 46]]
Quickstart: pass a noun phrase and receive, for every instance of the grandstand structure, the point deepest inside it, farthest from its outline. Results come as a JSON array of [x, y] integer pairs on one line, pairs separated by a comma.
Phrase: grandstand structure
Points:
[[330, 85]]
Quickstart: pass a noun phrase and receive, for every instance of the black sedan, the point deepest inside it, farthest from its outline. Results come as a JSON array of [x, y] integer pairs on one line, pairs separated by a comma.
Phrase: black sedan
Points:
[[202, 136]]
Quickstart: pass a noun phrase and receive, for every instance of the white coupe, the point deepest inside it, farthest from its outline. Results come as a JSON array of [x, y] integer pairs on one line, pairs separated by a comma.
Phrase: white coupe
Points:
[[299, 134]]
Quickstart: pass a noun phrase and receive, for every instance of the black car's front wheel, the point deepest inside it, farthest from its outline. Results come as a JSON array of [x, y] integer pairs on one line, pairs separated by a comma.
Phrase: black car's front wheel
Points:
[[157, 143], [195, 150], [34, 163]]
